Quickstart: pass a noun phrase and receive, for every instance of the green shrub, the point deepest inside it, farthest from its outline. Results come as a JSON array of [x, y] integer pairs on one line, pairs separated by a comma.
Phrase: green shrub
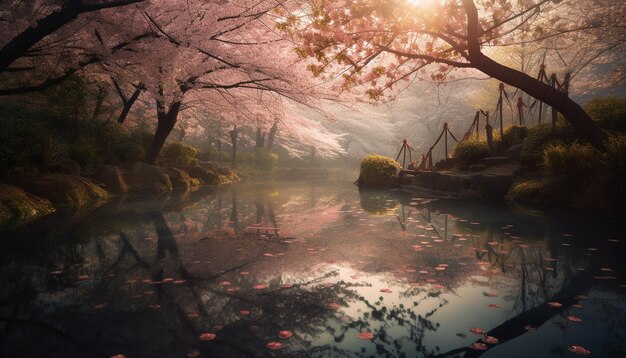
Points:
[[49, 153], [573, 161], [470, 151], [142, 137], [540, 136], [84, 152], [128, 152], [244, 157], [180, 154], [513, 135], [528, 192], [265, 160], [610, 112], [616, 165], [378, 171]]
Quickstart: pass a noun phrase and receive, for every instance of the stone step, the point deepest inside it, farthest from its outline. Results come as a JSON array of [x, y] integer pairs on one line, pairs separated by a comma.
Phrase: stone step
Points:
[[495, 160]]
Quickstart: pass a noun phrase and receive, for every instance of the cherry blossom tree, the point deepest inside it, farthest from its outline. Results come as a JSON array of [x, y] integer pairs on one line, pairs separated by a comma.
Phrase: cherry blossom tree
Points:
[[34, 33], [207, 52], [379, 43]]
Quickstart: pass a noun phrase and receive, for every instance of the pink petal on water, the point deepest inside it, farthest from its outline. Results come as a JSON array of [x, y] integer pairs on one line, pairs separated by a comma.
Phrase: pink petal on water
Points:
[[555, 304], [207, 336], [477, 330], [366, 335], [285, 334], [479, 346], [579, 350], [490, 340], [274, 345], [574, 318]]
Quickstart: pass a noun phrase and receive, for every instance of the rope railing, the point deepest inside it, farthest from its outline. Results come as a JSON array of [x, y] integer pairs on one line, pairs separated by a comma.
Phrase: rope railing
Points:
[[404, 148], [426, 161]]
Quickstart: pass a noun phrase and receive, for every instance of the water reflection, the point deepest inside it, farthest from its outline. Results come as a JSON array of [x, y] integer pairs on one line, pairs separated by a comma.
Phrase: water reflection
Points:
[[147, 279]]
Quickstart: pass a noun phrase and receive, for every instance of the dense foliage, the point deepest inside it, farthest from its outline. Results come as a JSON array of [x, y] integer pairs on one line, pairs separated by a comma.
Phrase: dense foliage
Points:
[[470, 151], [378, 171]]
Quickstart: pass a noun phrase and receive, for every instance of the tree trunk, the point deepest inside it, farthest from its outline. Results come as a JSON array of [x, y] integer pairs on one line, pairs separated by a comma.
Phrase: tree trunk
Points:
[[128, 104], [233, 139], [166, 122], [571, 110], [272, 137], [260, 138]]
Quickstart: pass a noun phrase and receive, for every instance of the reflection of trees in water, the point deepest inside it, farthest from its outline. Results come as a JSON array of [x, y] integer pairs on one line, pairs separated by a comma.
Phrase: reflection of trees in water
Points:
[[120, 313], [131, 322]]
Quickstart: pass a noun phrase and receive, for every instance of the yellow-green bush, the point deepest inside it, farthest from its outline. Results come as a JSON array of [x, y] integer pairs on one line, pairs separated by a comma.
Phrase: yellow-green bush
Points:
[[378, 171], [528, 192], [513, 135], [610, 112], [574, 161], [181, 155], [471, 151]]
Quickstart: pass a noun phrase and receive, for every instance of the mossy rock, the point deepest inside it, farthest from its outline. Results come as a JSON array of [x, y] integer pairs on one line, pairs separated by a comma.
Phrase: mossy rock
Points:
[[208, 176], [180, 179], [112, 178], [147, 178], [378, 171], [17, 206], [227, 176], [64, 190]]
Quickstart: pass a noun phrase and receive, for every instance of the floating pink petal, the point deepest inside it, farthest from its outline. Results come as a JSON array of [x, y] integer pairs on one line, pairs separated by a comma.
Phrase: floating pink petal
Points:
[[260, 286], [579, 350], [490, 340], [366, 335], [479, 346], [207, 336], [494, 306], [274, 345], [574, 318], [224, 283], [555, 304], [385, 290], [477, 330], [285, 334], [244, 312]]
